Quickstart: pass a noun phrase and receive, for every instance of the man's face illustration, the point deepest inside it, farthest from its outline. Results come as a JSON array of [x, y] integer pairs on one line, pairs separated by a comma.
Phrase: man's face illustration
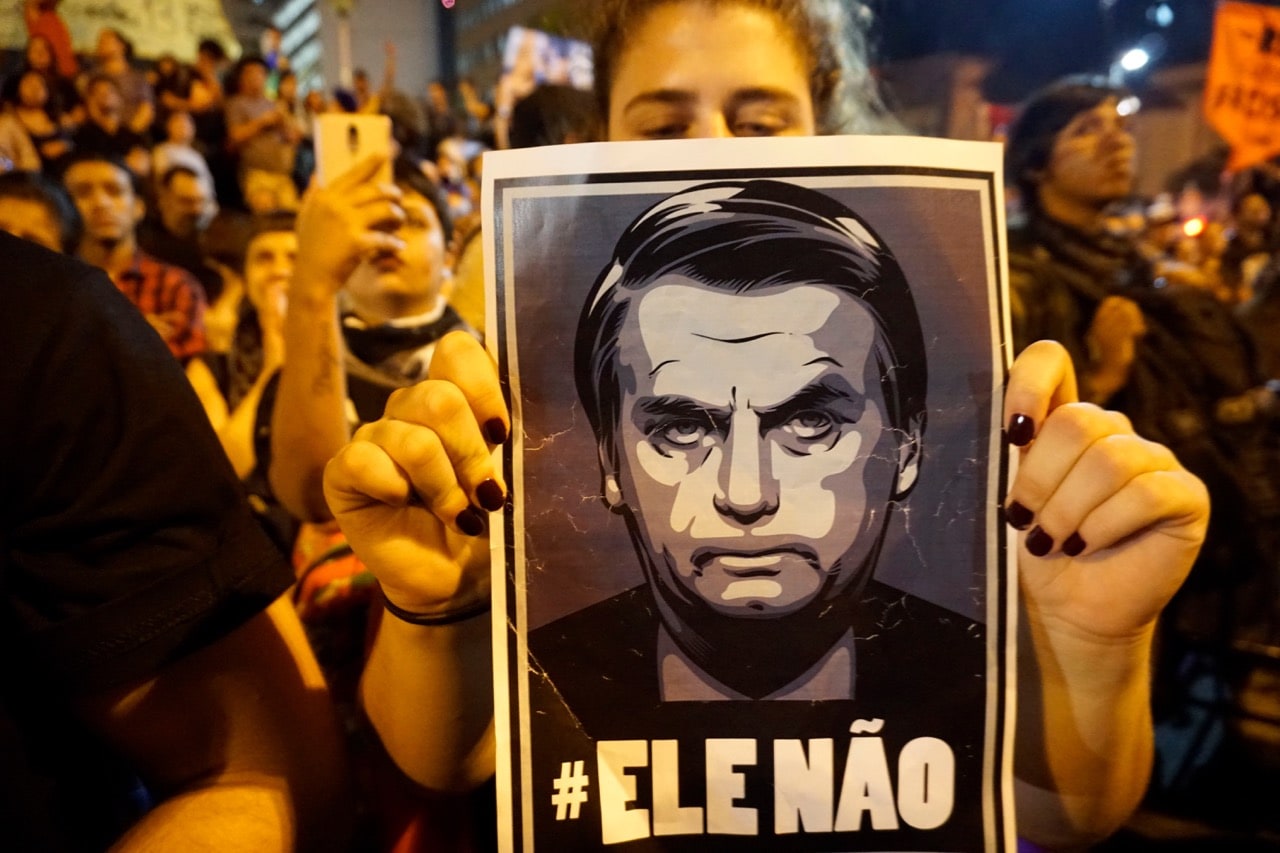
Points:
[[754, 448]]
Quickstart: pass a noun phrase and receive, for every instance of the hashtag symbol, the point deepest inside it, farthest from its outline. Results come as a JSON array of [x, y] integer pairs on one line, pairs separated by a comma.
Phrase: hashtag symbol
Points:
[[571, 790]]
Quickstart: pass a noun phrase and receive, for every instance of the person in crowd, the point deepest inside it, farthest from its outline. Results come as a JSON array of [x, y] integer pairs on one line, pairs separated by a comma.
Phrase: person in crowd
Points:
[[466, 264], [44, 23], [290, 104], [1180, 365], [104, 131], [1251, 243], [365, 313], [110, 203], [1261, 319], [17, 151], [269, 46], [477, 113], [64, 100], [205, 99], [451, 167], [362, 89], [33, 109], [158, 693], [36, 208], [184, 208], [1084, 736], [179, 149], [230, 385], [223, 244], [1071, 157], [113, 58], [264, 138], [553, 115], [170, 82], [442, 122]]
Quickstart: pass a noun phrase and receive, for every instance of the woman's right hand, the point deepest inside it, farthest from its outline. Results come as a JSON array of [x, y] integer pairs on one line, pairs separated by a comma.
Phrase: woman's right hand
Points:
[[412, 491]]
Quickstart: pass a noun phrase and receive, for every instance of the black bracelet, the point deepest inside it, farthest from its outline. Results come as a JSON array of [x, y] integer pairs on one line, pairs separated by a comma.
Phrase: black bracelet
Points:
[[461, 615]]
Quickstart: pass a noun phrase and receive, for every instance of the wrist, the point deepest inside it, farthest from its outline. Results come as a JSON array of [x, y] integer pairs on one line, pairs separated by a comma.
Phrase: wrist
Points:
[[315, 291], [450, 614]]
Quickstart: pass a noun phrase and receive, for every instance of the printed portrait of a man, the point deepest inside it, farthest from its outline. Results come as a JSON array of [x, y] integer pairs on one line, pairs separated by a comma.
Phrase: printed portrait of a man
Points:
[[752, 365], [750, 404]]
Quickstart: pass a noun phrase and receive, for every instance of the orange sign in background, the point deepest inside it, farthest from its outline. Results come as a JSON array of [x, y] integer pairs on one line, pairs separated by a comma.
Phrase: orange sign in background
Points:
[[1242, 92]]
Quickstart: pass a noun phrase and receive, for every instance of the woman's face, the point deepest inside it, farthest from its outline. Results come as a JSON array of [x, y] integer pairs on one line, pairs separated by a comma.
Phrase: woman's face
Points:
[[32, 91], [692, 71], [39, 54]]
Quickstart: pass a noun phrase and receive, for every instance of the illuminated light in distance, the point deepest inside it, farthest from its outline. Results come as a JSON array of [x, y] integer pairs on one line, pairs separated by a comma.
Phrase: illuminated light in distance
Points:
[[1129, 106], [1134, 59], [1193, 227]]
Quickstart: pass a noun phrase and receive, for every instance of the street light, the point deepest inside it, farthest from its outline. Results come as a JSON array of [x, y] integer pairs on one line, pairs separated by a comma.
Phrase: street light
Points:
[[1134, 59]]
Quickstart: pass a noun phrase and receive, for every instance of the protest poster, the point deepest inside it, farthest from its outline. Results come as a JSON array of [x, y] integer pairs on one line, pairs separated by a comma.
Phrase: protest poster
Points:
[[1242, 86], [752, 588]]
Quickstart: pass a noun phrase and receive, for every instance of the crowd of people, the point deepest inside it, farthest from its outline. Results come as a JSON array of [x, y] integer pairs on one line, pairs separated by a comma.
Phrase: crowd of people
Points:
[[335, 455]]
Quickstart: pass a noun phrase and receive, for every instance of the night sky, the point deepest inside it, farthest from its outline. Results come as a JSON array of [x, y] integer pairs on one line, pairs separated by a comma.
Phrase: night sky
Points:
[[1035, 41]]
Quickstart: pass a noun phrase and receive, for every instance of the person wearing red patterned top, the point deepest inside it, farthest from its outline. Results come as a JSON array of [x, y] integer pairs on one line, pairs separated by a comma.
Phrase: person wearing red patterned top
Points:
[[169, 297]]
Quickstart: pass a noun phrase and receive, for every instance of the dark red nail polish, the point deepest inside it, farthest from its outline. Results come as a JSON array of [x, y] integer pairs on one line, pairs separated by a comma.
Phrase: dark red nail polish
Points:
[[1074, 545], [470, 522], [1018, 515], [495, 430], [490, 496], [1039, 543], [1020, 431]]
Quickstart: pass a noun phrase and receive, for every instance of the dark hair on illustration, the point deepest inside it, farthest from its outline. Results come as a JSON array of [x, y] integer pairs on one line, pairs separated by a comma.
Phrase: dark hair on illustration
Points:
[[740, 238], [35, 188], [845, 96], [1041, 119]]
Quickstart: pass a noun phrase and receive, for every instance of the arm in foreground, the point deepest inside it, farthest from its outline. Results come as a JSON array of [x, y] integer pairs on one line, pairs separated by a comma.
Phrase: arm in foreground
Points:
[[1111, 525], [239, 741], [406, 491]]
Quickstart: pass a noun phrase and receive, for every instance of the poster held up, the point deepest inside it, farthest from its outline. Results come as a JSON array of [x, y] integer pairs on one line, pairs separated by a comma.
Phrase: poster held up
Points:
[[752, 585]]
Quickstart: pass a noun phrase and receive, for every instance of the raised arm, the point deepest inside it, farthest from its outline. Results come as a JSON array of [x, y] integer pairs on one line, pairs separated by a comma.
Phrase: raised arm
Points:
[[337, 226], [1111, 524], [240, 743], [411, 493]]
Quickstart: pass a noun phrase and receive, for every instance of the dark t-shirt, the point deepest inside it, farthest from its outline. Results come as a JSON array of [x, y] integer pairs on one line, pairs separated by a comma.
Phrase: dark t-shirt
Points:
[[126, 542], [92, 138]]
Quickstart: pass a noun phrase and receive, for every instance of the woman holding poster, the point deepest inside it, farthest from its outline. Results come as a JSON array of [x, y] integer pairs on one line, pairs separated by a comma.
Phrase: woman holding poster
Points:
[[1109, 523]]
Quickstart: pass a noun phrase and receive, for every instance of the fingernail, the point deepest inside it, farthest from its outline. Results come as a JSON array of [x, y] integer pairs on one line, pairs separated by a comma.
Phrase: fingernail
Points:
[[1018, 515], [1039, 543], [1020, 431], [1074, 545], [496, 431], [470, 522], [489, 495]]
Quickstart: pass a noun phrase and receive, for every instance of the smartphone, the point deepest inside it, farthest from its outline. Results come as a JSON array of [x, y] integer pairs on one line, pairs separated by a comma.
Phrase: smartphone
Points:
[[343, 139]]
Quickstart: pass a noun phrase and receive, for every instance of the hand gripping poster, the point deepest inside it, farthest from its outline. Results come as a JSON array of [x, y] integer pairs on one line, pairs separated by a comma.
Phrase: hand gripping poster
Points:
[[752, 588]]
